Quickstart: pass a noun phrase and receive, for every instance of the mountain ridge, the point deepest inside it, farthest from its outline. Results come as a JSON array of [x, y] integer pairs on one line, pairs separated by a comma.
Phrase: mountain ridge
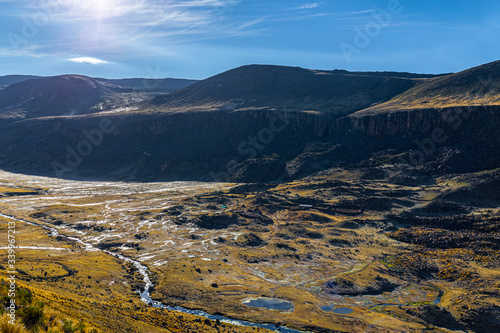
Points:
[[76, 94], [295, 88], [201, 133], [7, 80]]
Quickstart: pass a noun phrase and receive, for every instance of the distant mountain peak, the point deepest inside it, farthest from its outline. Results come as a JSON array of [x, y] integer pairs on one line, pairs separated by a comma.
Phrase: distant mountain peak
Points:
[[73, 94]]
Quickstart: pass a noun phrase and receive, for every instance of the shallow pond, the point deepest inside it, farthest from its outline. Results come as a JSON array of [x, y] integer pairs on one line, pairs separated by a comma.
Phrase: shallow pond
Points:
[[328, 308], [269, 303], [343, 311], [334, 309]]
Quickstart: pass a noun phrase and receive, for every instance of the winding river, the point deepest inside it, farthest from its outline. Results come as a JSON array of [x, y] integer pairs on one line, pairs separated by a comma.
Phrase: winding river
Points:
[[148, 285], [145, 294]]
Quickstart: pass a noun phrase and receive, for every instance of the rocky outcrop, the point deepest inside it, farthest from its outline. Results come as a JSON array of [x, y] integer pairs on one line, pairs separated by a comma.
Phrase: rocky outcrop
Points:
[[346, 287], [435, 315], [421, 120]]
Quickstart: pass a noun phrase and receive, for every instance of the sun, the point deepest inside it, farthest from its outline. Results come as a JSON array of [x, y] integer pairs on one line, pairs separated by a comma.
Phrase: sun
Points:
[[99, 9]]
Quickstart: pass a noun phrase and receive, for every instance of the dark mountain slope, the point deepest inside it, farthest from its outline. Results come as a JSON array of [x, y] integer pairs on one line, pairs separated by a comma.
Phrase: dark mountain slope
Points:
[[77, 94], [157, 85], [449, 124], [53, 96], [7, 80], [447, 102], [290, 88]]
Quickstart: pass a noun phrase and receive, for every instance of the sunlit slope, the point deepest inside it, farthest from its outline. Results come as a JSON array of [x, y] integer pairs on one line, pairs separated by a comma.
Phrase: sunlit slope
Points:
[[473, 87]]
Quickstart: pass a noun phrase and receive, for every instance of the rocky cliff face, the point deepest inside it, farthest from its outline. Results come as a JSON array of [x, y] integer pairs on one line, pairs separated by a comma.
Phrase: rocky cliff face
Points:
[[421, 120], [436, 141], [191, 145], [228, 145]]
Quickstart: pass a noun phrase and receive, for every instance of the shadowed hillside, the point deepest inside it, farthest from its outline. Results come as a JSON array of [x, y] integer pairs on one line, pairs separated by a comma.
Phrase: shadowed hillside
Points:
[[296, 89], [54, 96], [158, 85], [7, 80], [31, 97]]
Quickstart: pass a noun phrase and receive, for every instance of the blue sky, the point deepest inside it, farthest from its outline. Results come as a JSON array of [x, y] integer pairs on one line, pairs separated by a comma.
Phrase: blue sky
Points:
[[200, 38]]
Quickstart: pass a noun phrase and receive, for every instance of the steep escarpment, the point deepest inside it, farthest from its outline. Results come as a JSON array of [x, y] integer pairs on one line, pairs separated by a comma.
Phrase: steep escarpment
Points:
[[445, 124], [421, 120], [250, 145], [455, 139], [195, 145]]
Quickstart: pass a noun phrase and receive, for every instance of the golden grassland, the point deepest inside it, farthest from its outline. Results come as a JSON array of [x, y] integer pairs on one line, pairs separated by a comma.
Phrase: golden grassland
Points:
[[7, 191], [402, 103], [90, 289], [262, 245], [472, 87]]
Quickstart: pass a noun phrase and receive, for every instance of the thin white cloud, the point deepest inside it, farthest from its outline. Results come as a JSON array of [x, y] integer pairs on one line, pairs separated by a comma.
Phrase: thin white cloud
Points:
[[363, 11], [252, 23], [142, 12], [30, 50], [123, 29], [88, 60], [309, 6], [107, 25]]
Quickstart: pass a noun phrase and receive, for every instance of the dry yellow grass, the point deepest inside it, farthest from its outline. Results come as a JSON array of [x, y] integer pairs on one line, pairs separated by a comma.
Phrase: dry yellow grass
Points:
[[215, 269], [7, 327]]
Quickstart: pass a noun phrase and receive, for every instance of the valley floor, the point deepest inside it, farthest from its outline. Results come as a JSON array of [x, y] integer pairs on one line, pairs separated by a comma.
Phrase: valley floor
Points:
[[343, 251]]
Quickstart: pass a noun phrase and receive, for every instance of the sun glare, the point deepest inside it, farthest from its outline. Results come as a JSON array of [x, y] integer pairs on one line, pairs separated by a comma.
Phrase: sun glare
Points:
[[99, 9]]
